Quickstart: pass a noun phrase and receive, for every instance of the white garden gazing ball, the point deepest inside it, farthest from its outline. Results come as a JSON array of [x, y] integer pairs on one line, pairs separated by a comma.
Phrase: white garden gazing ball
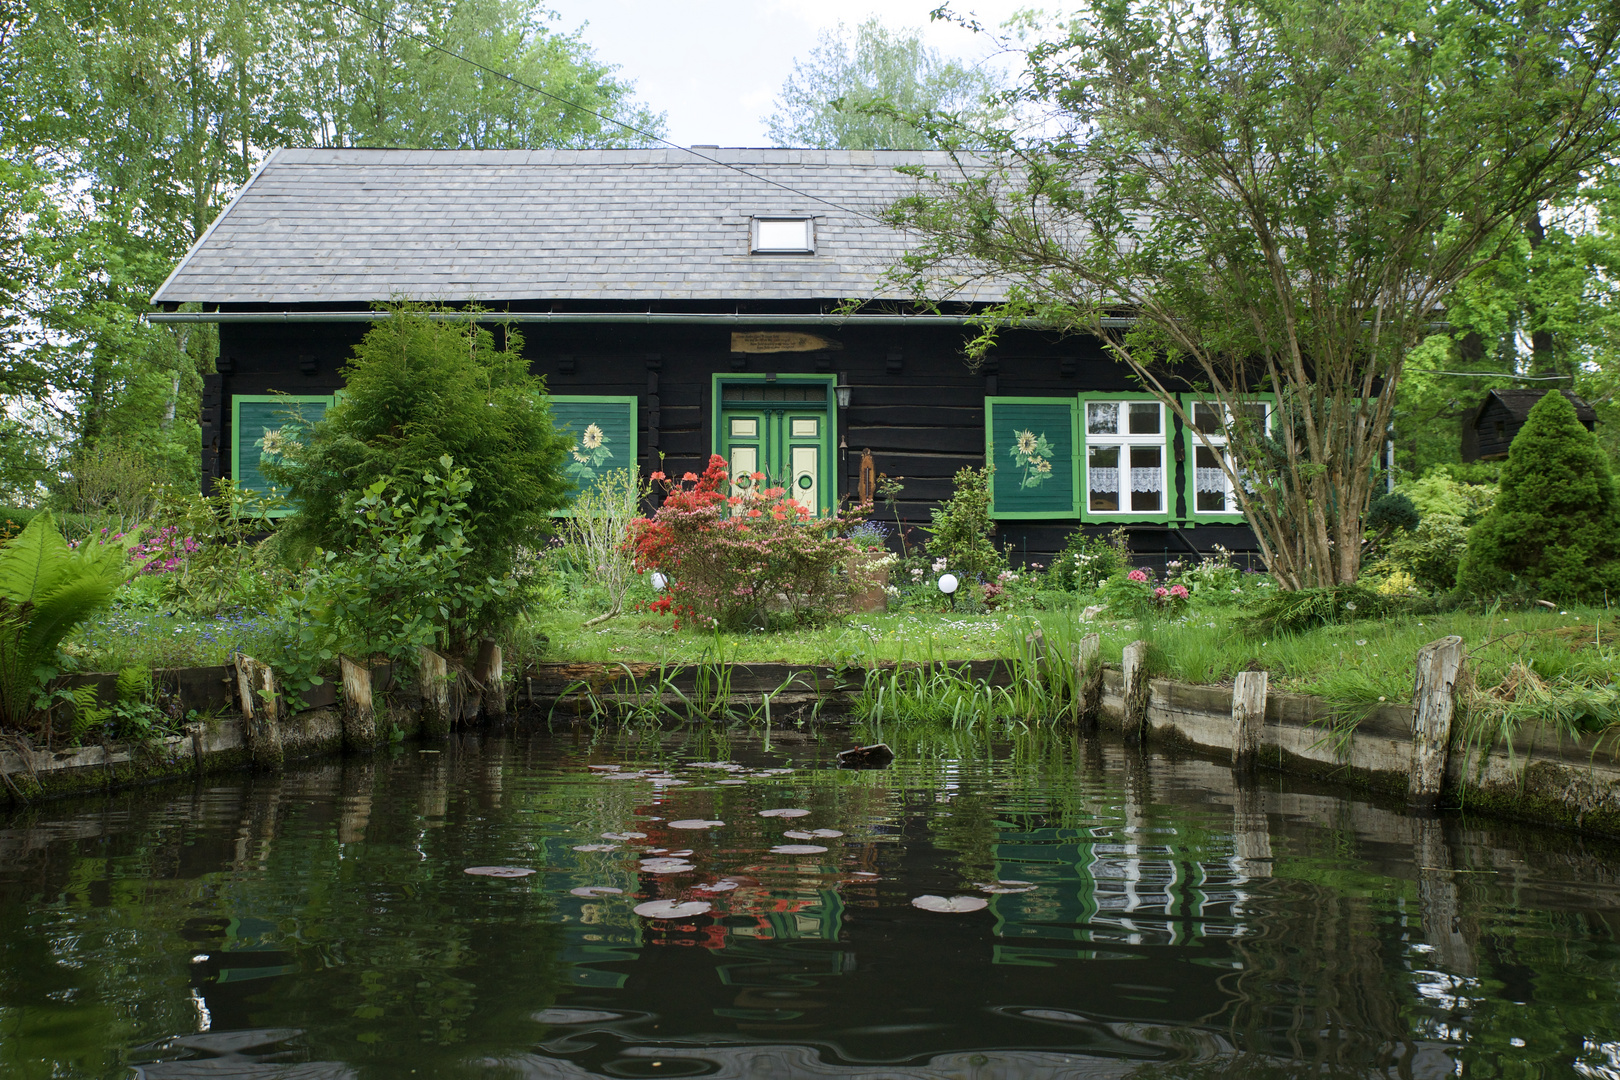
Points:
[[948, 584], [659, 581]]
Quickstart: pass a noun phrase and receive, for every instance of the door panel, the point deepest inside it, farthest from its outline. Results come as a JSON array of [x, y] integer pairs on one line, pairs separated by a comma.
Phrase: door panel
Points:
[[790, 450], [806, 486]]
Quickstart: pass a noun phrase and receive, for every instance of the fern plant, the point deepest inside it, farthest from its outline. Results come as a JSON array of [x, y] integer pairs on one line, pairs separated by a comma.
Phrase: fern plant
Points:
[[46, 589]]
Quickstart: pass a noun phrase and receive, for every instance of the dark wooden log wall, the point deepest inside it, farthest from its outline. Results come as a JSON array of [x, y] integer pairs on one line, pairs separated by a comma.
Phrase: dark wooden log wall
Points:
[[914, 402]]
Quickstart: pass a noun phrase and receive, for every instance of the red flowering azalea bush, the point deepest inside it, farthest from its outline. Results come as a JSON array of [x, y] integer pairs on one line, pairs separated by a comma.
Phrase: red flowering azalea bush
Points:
[[735, 561]]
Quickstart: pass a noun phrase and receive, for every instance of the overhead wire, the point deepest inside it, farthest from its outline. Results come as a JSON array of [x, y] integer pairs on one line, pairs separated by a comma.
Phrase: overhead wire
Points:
[[648, 135]]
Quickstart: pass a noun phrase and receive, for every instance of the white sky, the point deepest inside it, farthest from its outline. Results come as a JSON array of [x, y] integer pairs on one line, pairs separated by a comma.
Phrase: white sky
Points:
[[714, 66]]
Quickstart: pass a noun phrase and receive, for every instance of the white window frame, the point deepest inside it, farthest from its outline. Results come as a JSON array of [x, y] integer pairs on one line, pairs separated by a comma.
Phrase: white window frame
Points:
[[1125, 442], [1218, 442], [756, 239]]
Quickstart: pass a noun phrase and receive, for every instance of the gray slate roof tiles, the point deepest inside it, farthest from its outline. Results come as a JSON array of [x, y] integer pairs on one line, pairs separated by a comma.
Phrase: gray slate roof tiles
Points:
[[451, 225]]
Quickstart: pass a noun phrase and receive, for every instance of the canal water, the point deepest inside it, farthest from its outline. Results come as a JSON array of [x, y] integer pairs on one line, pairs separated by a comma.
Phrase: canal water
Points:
[[1108, 914]]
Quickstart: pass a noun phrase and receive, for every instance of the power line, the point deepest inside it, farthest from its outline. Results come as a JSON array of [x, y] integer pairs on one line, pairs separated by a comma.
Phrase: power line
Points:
[[1497, 375], [430, 43]]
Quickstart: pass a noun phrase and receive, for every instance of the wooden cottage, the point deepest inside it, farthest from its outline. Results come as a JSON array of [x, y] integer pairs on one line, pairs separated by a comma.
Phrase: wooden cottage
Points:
[[687, 305], [1488, 431]]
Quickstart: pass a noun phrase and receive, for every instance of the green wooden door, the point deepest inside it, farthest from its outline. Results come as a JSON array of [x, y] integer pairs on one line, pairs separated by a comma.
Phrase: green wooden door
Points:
[[779, 436]]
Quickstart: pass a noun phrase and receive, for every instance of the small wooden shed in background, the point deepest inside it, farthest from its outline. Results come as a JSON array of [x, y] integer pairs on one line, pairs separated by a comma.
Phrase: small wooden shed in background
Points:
[[1488, 431]]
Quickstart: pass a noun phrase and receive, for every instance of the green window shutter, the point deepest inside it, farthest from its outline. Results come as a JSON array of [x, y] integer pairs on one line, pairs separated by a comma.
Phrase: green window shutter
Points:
[[603, 430], [1032, 442], [255, 416]]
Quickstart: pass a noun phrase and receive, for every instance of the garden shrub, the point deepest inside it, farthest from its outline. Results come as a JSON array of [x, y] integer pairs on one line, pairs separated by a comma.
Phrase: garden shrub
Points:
[[207, 554], [1431, 553], [416, 391], [402, 578], [1554, 527], [735, 561], [1137, 592], [1438, 492], [961, 529], [1087, 561], [598, 530]]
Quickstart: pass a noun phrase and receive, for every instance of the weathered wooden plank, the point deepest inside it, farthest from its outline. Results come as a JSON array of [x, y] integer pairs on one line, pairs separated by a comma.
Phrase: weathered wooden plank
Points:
[[359, 715], [256, 685], [1137, 691], [1089, 677], [1248, 718], [433, 674], [1439, 663], [492, 687]]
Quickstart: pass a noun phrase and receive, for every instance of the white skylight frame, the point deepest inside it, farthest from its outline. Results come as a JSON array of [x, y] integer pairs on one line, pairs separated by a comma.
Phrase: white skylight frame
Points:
[[783, 235]]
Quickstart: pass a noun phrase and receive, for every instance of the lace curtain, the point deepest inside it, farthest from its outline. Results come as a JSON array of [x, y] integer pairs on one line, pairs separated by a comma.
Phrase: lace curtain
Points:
[[1142, 479], [1210, 480]]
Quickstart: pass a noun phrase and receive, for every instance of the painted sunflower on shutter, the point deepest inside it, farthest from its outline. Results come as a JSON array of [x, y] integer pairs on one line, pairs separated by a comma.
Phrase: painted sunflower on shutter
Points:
[[1033, 454]]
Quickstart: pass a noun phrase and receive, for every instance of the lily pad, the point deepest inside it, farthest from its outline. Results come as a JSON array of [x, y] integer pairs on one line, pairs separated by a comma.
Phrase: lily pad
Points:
[[717, 886], [596, 847], [695, 823], [862, 873], [681, 854], [797, 849], [575, 1016], [774, 772], [955, 905], [1002, 890], [666, 866], [625, 776], [624, 836], [731, 782], [672, 909], [605, 768], [784, 812], [812, 834], [591, 891], [499, 871]]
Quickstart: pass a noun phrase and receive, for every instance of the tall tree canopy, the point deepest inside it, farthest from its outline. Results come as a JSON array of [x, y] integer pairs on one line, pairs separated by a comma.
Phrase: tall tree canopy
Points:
[[128, 124], [873, 93], [1285, 195]]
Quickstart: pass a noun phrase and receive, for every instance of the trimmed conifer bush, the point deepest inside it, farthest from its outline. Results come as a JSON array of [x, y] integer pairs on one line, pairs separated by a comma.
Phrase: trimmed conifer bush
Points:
[[1554, 529]]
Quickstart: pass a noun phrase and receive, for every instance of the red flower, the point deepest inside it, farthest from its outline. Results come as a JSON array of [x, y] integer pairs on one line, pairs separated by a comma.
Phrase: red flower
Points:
[[690, 477], [658, 475], [753, 513]]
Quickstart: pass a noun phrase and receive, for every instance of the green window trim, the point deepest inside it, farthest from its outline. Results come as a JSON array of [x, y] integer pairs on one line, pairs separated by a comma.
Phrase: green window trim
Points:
[[618, 445], [1193, 444], [1017, 485], [1171, 469], [828, 482], [252, 460]]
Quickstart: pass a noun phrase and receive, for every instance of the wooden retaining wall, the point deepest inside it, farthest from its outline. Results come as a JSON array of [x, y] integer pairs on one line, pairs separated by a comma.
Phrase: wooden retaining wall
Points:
[[1540, 777]]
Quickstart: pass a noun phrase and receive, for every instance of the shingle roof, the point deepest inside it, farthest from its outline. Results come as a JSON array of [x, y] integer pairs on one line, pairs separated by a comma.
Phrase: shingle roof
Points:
[[1519, 402], [364, 225]]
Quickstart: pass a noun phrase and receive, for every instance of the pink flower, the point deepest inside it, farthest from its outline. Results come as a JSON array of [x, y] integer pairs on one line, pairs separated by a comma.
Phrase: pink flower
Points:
[[1161, 591], [691, 476], [657, 476], [1179, 592], [1137, 575]]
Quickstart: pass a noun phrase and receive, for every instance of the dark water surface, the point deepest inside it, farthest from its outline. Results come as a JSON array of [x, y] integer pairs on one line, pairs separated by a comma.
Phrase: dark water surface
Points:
[[320, 924]]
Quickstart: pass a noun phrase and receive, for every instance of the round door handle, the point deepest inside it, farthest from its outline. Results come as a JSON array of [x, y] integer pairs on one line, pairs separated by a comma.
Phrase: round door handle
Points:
[[806, 481]]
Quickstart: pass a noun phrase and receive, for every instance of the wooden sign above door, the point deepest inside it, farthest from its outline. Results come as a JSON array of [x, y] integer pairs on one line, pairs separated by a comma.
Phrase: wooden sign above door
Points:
[[774, 341]]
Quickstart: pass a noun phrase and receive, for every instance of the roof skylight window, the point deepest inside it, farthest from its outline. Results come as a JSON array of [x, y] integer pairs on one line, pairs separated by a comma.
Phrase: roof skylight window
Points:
[[784, 236]]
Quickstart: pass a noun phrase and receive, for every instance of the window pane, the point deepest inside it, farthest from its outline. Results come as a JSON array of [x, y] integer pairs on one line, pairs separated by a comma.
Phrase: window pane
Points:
[[1102, 418], [1254, 413], [1207, 419], [1144, 418], [1102, 477], [1209, 480], [784, 236], [1147, 479]]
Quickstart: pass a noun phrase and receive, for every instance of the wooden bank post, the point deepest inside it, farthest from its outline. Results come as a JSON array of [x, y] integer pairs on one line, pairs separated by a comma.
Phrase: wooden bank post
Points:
[[1439, 663], [1089, 675], [433, 677], [1248, 718], [1136, 690], [359, 713], [256, 686]]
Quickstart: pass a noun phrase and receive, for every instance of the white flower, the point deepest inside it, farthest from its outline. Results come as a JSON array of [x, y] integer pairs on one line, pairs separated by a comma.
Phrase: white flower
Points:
[[593, 437]]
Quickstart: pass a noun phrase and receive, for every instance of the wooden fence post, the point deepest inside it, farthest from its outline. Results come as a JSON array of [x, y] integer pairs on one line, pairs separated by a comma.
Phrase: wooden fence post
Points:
[[1136, 691], [1248, 718], [489, 675], [1088, 672], [1439, 663], [359, 715], [256, 685], [433, 676]]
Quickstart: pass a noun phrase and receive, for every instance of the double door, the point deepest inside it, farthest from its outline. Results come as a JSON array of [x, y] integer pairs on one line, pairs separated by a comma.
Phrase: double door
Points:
[[788, 446]]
